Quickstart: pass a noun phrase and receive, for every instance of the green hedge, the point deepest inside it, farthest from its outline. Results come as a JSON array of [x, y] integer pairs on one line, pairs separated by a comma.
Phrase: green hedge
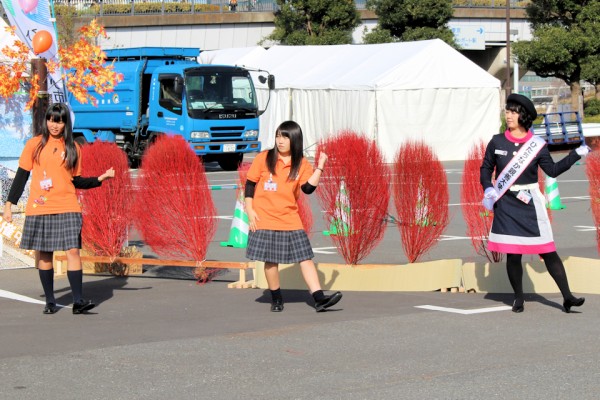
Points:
[[592, 107], [489, 3], [140, 8]]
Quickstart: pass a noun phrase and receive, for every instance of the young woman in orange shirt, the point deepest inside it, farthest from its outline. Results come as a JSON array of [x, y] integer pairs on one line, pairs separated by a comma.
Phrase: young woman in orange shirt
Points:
[[273, 185], [53, 214]]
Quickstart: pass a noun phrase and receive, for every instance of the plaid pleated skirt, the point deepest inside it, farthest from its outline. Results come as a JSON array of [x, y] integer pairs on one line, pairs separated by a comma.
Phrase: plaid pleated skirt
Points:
[[283, 247], [52, 232]]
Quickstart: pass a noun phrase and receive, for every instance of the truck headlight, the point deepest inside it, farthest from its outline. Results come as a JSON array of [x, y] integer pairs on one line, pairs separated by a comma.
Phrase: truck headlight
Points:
[[200, 135], [252, 133]]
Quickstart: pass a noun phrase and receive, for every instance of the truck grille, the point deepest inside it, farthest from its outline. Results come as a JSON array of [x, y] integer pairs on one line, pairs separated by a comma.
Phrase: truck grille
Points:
[[217, 132], [217, 135]]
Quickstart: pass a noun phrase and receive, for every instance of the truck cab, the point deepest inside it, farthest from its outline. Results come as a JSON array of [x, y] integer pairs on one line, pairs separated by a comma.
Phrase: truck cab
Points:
[[166, 92]]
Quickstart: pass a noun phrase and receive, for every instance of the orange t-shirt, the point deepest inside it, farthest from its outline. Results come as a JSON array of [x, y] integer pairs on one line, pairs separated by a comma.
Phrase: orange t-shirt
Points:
[[277, 210], [61, 197]]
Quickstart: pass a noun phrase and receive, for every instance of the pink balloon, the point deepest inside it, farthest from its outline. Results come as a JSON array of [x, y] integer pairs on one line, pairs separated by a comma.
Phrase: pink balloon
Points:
[[28, 5]]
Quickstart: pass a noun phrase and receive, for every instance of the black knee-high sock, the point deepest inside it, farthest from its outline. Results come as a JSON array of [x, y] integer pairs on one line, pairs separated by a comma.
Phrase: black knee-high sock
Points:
[[47, 279], [76, 282], [514, 268], [556, 269], [318, 295], [276, 294]]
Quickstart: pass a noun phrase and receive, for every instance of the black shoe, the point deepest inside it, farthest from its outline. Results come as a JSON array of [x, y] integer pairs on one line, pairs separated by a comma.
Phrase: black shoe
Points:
[[82, 306], [328, 301], [518, 307], [50, 308], [575, 302], [277, 305]]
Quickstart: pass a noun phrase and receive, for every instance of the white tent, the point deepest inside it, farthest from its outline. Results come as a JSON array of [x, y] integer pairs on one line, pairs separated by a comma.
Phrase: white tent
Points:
[[242, 56], [390, 92]]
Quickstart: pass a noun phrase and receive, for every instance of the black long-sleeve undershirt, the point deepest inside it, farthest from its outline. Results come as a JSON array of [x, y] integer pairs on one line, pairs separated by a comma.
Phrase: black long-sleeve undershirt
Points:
[[250, 188], [18, 186]]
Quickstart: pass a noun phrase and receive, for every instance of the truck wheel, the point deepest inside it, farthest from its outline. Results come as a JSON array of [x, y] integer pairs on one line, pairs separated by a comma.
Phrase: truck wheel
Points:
[[231, 162], [134, 162]]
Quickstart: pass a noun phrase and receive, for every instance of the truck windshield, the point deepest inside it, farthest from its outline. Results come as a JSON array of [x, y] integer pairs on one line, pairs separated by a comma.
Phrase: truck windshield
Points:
[[219, 90]]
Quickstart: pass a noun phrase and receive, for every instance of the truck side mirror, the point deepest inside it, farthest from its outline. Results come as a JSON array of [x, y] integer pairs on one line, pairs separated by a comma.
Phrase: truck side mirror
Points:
[[178, 85], [271, 80]]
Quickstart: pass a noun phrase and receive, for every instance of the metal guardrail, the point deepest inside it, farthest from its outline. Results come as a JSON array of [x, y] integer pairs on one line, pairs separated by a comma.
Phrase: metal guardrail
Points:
[[560, 128], [160, 7]]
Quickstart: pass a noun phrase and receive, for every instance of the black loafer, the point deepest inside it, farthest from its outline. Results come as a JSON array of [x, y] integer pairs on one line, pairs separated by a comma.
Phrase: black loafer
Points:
[[575, 302], [50, 308], [328, 301], [277, 305], [518, 308], [83, 306]]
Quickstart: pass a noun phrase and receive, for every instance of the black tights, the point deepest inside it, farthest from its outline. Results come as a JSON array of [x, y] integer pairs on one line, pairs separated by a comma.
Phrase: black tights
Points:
[[555, 268]]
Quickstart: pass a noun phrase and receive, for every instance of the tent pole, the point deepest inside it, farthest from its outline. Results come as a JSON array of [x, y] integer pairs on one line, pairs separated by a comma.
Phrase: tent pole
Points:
[[290, 106]]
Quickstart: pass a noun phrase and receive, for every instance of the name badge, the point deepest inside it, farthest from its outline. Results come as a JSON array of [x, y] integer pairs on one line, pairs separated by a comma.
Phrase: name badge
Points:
[[501, 152], [46, 184], [524, 196], [270, 186]]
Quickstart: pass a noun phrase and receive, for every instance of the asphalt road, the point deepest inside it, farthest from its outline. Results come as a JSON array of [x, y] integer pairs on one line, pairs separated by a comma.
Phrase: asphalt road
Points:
[[155, 337]]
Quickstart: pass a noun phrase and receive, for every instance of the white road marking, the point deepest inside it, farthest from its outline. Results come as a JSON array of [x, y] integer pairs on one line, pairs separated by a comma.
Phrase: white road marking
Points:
[[449, 237], [25, 299], [583, 228], [324, 250], [465, 312]]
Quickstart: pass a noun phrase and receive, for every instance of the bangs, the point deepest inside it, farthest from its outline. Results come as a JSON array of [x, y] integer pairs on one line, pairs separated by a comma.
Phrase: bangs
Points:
[[57, 114], [283, 133], [510, 106]]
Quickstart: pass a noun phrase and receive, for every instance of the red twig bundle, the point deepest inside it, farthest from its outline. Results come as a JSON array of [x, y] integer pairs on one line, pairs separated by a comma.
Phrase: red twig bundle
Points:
[[592, 170], [354, 192], [243, 172], [106, 209], [174, 210], [421, 198], [477, 218], [305, 213]]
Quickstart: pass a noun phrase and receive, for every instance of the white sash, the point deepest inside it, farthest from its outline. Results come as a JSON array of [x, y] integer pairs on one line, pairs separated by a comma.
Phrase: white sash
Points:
[[518, 164]]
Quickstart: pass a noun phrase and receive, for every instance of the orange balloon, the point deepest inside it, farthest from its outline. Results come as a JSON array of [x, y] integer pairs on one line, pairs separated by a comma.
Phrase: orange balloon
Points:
[[42, 40]]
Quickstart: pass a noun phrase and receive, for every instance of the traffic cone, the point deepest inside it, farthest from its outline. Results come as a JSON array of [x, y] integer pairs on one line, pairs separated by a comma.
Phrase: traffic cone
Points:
[[552, 194], [238, 234], [340, 225]]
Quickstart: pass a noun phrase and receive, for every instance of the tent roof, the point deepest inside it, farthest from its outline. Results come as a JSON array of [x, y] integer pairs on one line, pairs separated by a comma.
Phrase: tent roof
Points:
[[242, 56], [388, 66]]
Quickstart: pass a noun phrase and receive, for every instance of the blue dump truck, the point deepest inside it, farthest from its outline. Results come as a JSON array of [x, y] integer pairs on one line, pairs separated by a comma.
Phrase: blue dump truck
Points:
[[166, 91]]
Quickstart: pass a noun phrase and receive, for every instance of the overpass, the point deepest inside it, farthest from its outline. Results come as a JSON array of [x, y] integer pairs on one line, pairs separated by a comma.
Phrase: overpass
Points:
[[481, 31]]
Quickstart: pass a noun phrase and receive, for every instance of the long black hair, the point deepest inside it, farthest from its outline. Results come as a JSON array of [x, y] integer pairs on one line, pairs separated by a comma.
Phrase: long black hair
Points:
[[525, 118], [59, 112], [291, 130]]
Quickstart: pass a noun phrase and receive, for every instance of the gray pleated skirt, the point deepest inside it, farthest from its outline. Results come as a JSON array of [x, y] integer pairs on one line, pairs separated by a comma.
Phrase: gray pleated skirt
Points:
[[52, 232], [283, 247]]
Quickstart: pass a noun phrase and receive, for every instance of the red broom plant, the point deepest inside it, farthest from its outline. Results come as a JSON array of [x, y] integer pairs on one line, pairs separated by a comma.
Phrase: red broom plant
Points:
[[174, 211], [592, 170], [354, 192], [421, 198], [106, 209], [477, 217], [305, 212]]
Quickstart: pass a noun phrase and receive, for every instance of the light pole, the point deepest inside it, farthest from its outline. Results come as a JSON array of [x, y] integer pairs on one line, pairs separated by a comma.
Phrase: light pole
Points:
[[507, 81]]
